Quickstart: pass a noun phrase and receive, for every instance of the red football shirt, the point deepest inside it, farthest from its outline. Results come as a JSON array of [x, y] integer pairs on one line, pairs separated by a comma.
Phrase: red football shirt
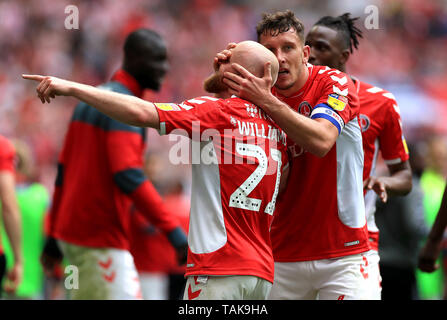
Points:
[[100, 176], [238, 154], [7, 154], [321, 215], [382, 131]]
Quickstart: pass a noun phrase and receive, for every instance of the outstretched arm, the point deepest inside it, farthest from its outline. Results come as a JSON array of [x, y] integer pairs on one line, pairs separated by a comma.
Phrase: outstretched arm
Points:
[[121, 107]]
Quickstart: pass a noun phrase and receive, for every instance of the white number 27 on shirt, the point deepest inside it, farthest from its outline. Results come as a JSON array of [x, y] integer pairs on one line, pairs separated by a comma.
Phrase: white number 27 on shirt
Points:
[[239, 198]]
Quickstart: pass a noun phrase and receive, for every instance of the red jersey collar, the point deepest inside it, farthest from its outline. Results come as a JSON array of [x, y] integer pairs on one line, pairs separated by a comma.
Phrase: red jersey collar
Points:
[[128, 81]]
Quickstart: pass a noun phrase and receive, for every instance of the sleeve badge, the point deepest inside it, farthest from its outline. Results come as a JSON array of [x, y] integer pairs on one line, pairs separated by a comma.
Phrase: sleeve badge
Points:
[[337, 102]]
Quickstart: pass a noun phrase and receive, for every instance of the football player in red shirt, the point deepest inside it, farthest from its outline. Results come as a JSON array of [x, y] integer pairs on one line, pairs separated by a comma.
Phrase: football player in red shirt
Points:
[[332, 40], [100, 175], [236, 174], [320, 230]]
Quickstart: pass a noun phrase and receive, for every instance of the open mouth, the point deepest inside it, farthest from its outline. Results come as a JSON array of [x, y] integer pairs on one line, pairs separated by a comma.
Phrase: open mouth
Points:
[[283, 72]]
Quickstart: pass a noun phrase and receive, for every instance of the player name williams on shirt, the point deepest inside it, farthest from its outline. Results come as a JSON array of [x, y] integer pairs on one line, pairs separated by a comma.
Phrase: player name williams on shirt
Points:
[[259, 130]]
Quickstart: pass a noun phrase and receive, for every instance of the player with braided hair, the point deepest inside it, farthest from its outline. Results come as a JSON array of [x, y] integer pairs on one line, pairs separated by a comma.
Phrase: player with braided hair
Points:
[[332, 40]]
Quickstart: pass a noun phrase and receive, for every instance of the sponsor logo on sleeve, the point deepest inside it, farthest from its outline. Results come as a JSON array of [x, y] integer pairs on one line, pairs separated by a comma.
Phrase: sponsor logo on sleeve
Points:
[[167, 106], [337, 102]]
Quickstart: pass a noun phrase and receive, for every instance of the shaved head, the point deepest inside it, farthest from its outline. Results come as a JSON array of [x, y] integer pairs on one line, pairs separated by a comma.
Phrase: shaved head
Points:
[[249, 54], [253, 56]]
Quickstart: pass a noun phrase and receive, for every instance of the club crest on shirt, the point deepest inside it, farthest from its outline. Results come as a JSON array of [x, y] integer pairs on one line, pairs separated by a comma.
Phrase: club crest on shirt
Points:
[[252, 110], [364, 122], [305, 109], [337, 102]]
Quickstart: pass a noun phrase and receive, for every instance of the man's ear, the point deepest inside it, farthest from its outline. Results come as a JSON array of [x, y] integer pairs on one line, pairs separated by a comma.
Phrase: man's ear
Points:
[[306, 54], [345, 56]]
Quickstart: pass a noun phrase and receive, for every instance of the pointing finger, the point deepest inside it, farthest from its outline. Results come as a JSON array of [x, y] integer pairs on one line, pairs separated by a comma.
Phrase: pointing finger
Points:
[[34, 77]]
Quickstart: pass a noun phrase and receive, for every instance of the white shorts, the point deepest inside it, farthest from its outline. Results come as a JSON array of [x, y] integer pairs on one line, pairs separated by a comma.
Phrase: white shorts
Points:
[[154, 286], [342, 278], [103, 274], [374, 278], [226, 288]]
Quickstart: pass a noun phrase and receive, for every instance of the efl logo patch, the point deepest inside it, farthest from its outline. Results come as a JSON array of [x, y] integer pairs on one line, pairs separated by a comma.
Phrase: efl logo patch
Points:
[[337, 102], [167, 106]]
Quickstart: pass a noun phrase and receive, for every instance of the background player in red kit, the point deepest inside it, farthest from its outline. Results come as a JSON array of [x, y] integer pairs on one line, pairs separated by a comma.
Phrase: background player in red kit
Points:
[[10, 215], [100, 175], [319, 234], [234, 183], [331, 40]]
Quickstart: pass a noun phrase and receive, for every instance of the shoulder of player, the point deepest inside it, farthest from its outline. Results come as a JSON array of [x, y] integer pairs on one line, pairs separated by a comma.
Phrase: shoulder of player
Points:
[[380, 95], [203, 101], [327, 74]]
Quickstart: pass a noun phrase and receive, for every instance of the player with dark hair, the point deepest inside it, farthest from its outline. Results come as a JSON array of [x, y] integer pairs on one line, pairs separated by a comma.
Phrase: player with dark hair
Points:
[[320, 231], [100, 175], [332, 40], [235, 183]]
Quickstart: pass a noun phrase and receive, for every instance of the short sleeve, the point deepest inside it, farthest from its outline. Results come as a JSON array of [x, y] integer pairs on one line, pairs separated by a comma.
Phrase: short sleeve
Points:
[[191, 117], [337, 98], [7, 154], [393, 146]]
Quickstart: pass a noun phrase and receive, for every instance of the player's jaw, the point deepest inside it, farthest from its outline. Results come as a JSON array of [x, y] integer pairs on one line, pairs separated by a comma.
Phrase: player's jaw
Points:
[[285, 78]]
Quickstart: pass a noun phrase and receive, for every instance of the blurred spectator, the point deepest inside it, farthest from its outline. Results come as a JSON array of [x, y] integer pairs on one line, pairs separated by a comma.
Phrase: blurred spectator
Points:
[[10, 218], [33, 200], [402, 227], [436, 242], [431, 285]]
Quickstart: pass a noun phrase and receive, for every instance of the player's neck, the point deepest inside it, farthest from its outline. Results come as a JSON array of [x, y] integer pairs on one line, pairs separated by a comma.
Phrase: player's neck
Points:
[[223, 95]]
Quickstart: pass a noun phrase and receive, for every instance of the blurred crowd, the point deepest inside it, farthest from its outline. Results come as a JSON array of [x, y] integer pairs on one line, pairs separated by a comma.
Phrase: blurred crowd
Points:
[[405, 55]]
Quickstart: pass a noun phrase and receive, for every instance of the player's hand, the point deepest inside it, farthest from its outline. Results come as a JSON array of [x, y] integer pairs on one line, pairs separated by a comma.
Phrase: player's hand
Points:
[[223, 56], [14, 278], [182, 254], [428, 256], [50, 87], [379, 187], [51, 257], [245, 85]]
